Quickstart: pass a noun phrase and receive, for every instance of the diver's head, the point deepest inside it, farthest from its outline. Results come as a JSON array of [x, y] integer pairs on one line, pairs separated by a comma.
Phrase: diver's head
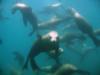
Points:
[[53, 35]]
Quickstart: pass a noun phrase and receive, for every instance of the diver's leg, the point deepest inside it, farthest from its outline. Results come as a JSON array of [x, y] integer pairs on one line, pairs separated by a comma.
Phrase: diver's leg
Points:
[[33, 53], [33, 64], [55, 57]]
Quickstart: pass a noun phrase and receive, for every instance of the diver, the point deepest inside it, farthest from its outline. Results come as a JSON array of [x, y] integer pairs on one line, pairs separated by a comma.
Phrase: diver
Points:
[[84, 26], [27, 14], [48, 43]]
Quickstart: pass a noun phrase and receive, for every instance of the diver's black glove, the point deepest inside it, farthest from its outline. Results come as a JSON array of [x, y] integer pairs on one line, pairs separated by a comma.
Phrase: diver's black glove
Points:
[[56, 53]]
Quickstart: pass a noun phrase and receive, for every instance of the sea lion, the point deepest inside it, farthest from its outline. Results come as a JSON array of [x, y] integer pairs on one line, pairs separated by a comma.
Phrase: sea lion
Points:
[[84, 26], [27, 14]]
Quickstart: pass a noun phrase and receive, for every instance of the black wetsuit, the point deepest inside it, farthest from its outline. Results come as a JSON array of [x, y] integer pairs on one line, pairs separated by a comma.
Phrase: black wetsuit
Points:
[[41, 45]]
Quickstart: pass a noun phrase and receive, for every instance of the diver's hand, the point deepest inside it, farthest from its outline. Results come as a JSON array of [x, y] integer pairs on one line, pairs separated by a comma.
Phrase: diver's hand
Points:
[[55, 53], [52, 52]]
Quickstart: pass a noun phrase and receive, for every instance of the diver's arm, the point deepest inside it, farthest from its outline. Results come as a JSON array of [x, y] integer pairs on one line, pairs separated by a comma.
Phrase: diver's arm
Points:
[[57, 51], [57, 48]]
